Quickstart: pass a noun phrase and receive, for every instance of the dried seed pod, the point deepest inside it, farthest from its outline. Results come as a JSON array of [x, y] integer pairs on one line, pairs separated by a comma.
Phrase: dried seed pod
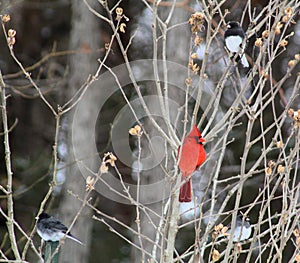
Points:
[[279, 144], [271, 163], [280, 169], [268, 171]]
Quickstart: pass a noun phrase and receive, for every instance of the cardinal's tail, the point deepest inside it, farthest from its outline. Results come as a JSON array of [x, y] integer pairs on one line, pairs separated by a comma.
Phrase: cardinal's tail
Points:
[[185, 194]]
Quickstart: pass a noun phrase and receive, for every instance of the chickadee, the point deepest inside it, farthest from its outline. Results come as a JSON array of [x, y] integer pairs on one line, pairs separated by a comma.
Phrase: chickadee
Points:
[[242, 230], [234, 36], [51, 229]]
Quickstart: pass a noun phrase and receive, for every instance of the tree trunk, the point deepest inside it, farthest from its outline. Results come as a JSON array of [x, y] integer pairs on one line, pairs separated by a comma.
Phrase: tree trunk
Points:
[[84, 35]]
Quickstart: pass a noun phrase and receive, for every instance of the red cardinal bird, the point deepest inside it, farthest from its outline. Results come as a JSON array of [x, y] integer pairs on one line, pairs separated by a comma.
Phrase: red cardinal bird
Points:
[[192, 156]]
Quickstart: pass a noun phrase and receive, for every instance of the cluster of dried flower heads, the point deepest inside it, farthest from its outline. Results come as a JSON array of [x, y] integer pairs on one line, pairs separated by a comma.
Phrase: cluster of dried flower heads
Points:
[[197, 25], [136, 131], [109, 158], [277, 28], [220, 229], [272, 164], [120, 14], [11, 33]]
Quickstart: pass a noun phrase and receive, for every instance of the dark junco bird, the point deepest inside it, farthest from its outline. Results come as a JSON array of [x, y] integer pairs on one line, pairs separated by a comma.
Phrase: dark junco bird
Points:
[[242, 229], [51, 229], [234, 36]]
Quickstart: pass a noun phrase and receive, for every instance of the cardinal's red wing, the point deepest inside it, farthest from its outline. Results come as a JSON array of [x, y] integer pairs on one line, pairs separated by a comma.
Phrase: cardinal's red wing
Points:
[[190, 156], [201, 155]]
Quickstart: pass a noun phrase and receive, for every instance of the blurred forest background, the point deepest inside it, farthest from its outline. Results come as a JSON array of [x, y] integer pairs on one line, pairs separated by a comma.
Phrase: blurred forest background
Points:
[[61, 43]]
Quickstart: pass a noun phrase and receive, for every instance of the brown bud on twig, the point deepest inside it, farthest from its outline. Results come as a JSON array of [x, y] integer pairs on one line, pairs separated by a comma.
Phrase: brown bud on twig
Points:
[[296, 232], [122, 27], [268, 171], [298, 241], [279, 144], [278, 28], [106, 46], [285, 19], [103, 168], [5, 18], [265, 34], [112, 159], [198, 40], [194, 56], [291, 112], [258, 42], [283, 43], [11, 41], [271, 164], [280, 169], [89, 183], [188, 81], [195, 68], [224, 231], [218, 227], [136, 130], [119, 11], [291, 63], [289, 12], [215, 255], [11, 32], [214, 235], [264, 74]]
